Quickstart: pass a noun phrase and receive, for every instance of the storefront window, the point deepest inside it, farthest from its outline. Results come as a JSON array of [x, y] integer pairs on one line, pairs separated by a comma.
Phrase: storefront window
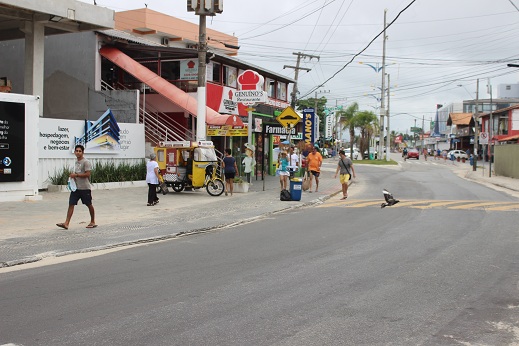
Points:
[[281, 91], [229, 76], [271, 88], [170, 70], [217, 73]]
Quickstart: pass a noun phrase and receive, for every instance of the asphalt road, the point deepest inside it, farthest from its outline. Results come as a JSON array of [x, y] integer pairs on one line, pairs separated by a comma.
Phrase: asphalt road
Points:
[[339, 273]]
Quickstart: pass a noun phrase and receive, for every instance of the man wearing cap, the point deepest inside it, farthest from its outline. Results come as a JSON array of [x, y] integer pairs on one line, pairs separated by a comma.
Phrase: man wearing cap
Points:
[[315, 160], [152, 178]]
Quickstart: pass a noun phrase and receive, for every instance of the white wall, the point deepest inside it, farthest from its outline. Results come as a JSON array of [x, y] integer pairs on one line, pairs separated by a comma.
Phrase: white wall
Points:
[[27, 189]]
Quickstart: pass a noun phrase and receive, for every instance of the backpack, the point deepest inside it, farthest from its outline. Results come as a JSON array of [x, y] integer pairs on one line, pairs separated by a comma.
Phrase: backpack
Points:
[[285, 195]]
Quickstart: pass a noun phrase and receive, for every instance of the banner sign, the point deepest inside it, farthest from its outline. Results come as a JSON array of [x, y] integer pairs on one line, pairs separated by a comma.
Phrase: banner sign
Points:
[[309, 125], [58, 137], [279, 130], [227, 130]]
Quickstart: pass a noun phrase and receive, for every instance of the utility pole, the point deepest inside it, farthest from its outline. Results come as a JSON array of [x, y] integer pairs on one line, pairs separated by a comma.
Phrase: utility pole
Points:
[[382, 90], [207, 8], [297, 68], [476, 135], [491, 132], [388, 139], [423, 124]]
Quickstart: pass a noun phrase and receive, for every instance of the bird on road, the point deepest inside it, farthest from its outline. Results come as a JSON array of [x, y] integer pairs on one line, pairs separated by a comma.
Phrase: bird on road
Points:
[[390, 200]]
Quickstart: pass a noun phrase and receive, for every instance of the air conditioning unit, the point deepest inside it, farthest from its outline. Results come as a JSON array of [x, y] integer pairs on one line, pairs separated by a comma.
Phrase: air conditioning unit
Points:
[[165, 41]]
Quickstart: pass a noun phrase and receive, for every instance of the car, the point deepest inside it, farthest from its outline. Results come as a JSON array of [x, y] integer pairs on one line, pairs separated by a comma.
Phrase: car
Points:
[[413, 154], [356, 153], [372, 151], [458, 154]]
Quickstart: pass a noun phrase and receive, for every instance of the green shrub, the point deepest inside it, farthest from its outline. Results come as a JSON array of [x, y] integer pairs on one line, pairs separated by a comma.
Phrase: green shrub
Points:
[[105, 172]]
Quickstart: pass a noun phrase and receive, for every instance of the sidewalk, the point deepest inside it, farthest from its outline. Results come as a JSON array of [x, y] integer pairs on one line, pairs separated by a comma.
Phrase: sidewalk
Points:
[[29, 234]]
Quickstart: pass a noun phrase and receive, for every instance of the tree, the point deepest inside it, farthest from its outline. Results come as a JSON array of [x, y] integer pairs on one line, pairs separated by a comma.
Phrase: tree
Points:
[[367, 121], [348, 119]]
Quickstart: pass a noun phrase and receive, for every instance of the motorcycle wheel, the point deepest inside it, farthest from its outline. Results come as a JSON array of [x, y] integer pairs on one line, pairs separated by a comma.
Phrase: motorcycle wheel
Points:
[[215, 187], [178, 187]]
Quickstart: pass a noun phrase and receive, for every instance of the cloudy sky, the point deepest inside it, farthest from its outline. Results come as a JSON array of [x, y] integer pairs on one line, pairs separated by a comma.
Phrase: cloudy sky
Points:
[[435, 52]]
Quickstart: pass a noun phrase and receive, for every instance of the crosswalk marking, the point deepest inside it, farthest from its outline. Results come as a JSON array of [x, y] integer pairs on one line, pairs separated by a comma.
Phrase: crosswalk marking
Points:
[[427, 204]]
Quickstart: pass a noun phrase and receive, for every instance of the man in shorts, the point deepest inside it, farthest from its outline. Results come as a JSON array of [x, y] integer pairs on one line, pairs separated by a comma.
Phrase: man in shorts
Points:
[[315, 160], [81, 175]]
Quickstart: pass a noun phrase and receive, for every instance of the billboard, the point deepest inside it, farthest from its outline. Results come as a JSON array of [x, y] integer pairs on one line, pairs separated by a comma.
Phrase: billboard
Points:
[[309, 124], [12, 141]]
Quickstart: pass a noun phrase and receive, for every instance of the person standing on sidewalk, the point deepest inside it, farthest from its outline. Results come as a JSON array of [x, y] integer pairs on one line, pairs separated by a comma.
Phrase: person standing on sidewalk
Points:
[[152, 178], [345, 166], [229, 170], [81, 176], [282, 170], [315, 160]]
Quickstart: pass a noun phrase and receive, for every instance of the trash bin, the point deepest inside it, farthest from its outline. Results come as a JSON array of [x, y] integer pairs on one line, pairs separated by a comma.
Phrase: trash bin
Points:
[[296, 188], [371, 156], [471, 160]]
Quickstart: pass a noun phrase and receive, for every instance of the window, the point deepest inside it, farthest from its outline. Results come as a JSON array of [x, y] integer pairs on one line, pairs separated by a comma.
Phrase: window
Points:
[[281, 91], [217, 73], [170, 70], [229, 76], [271, 88]]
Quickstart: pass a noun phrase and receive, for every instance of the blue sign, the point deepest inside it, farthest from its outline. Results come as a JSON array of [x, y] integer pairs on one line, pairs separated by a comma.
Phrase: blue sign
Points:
[[309, 125]]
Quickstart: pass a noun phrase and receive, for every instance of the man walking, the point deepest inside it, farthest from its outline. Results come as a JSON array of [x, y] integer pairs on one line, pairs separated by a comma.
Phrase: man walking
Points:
[[345, 166], [315, 160], [81, 176]]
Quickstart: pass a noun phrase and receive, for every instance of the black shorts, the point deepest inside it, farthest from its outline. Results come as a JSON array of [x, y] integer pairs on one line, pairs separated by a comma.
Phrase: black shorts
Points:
[[84, 195], [230, 175], [315, 173]]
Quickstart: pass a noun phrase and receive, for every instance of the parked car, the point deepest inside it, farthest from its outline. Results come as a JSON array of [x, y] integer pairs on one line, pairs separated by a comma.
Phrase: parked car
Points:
[[413, 154], [372, 151], [457, 154], [356, 153]]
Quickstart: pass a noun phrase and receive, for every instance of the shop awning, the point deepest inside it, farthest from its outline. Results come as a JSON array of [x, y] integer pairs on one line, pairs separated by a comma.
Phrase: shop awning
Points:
[[165, 88], [509, 138]]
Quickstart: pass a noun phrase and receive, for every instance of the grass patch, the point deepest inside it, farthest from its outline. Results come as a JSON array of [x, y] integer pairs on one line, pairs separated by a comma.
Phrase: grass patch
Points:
[[375, 162]]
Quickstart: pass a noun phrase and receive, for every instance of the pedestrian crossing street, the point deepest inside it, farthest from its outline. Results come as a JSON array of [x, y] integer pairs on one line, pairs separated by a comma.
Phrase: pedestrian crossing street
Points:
[[425, 204]]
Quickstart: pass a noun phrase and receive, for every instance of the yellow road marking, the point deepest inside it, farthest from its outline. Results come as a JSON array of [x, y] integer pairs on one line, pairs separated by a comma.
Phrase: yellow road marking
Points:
[[427, 204]]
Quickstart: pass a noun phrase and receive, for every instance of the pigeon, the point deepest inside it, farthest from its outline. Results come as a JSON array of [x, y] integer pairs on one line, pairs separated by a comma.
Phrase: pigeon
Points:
[[390, 200]]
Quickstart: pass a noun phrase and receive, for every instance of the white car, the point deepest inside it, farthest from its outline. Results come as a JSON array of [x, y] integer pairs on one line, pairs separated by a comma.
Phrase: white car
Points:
[[457, 154], [356, 153]]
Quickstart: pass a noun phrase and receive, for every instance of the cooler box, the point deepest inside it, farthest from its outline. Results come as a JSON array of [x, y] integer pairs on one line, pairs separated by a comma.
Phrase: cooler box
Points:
[[296, 188]]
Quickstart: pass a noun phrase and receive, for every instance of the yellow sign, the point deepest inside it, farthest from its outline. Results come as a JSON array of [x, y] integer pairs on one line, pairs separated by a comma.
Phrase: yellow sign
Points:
[[288, 118], [227, 130]]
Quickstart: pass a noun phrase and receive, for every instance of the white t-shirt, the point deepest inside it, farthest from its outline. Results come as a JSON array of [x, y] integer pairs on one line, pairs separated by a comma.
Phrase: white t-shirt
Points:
[[294, 160], [151, 177]]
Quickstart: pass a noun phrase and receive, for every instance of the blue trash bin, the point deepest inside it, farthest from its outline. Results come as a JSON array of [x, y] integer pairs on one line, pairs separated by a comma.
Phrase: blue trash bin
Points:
[[471, 160], [296, 188]]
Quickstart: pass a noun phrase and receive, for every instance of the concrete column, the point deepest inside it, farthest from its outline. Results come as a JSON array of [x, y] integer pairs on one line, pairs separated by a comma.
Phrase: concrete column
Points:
[[34, 56]]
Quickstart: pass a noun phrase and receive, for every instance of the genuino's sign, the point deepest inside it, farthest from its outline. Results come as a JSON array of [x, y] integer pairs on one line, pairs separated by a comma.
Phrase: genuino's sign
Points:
[[278, 130], [247, 96]]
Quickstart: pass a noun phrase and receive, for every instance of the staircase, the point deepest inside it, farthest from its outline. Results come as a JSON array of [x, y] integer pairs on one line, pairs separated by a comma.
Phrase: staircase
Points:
[[158, 126]]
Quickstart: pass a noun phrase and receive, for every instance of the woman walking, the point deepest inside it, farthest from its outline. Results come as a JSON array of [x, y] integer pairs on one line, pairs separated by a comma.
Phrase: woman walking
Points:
[[152, 178], [229, 170]]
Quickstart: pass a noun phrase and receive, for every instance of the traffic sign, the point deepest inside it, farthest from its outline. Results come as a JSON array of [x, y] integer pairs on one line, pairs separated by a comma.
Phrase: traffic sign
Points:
[[416, 129], [288, 118]]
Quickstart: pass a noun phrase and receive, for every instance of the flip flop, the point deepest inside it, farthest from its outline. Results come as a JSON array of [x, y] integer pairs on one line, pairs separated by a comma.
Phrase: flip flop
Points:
[[61, 225], [91, 226]]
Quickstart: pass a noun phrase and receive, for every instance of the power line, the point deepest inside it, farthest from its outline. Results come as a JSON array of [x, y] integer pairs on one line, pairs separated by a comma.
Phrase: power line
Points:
[[359, 53]]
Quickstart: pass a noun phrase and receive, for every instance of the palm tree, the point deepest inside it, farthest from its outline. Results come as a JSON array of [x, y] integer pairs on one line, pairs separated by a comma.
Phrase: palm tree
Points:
[[348, 120], [367, 121]]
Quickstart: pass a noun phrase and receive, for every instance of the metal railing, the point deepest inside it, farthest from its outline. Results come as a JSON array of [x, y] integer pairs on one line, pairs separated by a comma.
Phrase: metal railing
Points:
[[158, 126]]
